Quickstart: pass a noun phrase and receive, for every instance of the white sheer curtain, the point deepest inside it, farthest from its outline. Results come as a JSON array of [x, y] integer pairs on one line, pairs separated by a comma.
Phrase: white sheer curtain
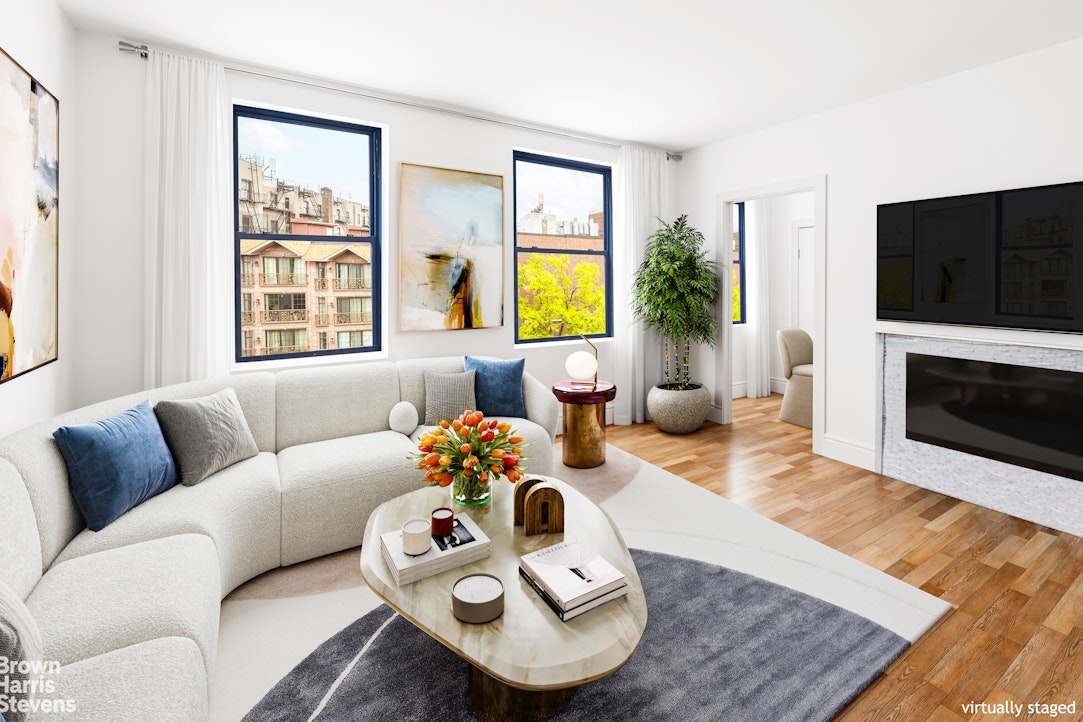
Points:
[[188, 220], [757, 299], [642, 196]]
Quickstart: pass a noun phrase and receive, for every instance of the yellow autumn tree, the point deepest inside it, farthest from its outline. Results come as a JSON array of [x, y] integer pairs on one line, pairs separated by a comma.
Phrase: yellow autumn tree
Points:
[[557, 299]]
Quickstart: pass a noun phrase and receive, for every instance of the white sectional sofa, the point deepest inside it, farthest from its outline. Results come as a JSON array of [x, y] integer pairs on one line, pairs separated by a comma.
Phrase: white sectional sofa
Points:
[[130, 612]]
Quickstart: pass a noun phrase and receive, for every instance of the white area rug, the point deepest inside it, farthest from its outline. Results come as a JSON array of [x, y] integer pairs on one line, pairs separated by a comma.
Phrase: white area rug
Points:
[[660, 511], [273, 622]]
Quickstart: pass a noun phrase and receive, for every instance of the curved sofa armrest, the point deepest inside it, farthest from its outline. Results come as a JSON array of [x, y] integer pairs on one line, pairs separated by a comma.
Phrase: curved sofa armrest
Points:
[[541, 406]]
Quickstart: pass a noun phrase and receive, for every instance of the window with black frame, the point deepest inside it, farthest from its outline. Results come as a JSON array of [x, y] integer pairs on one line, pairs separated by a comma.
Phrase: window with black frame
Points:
[[738, 297], [307, 232], [563, 248]]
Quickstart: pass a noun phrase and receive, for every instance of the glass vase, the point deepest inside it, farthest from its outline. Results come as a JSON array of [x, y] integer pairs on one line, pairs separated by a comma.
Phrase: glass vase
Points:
[[470, 490]]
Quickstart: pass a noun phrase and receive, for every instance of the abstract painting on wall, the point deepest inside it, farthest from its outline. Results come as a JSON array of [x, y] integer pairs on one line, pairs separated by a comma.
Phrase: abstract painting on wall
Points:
[[29, 145], [451, 249]]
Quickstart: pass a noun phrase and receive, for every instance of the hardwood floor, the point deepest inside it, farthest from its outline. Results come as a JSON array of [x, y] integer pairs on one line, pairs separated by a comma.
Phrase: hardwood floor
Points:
[[1016, 631]]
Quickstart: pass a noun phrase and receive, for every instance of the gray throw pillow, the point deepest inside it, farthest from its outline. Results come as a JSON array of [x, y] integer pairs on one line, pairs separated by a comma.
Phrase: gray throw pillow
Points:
[[448, 395], [20, 641], [206, 434]]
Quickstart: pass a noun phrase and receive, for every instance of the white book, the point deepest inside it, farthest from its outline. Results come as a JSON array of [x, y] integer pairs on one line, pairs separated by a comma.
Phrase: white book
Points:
[[574, 612], [467, 543], [571, 573], [417, 573]]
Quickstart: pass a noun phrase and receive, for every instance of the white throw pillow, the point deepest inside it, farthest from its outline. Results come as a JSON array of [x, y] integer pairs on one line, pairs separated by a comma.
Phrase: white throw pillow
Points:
[[403, 418]]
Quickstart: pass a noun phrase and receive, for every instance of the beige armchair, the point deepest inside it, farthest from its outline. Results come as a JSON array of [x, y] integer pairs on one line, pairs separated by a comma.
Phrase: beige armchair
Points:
[[795, 349]]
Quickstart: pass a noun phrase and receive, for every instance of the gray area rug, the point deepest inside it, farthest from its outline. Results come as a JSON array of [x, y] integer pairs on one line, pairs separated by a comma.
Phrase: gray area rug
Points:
[[719, 645]]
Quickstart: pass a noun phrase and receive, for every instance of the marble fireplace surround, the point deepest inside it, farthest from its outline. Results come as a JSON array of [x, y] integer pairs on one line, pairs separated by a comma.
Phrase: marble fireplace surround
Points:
[[1036, 496]]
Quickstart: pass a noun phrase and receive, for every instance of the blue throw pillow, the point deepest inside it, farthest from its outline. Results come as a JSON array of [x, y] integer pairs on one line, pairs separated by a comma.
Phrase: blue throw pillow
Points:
[[116, 464], [498, 386]]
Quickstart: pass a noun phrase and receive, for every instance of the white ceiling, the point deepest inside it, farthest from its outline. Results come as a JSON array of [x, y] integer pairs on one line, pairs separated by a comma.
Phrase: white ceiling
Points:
[[671, 73]]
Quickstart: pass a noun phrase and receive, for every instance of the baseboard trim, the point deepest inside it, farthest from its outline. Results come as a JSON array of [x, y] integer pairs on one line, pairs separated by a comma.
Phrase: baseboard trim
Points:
[[848, 452], [740, 389]]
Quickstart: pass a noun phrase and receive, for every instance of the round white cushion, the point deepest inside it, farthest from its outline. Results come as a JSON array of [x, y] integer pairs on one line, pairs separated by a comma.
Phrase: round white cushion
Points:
[[403, 418]]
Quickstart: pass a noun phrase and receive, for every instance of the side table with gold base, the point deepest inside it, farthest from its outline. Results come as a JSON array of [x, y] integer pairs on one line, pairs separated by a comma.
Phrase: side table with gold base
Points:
[[584, 420]]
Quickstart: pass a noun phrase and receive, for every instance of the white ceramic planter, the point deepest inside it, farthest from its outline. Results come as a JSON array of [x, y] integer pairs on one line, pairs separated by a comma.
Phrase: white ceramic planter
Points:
[[679, 412]]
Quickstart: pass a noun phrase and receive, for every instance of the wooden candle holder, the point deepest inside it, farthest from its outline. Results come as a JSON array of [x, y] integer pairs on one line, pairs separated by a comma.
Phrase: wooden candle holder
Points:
[[539, 507]]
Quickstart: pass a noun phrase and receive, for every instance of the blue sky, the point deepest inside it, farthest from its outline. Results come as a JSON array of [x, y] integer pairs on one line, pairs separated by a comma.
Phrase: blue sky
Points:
[[568, 193], [312, 157], [445, 205]]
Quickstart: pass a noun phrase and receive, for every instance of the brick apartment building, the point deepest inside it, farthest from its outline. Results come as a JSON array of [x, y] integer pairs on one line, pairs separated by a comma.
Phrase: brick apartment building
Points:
[[299, 296]]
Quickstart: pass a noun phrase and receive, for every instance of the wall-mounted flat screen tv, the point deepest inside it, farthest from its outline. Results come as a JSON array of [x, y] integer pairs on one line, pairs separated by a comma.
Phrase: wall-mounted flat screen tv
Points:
[[1003, 259]]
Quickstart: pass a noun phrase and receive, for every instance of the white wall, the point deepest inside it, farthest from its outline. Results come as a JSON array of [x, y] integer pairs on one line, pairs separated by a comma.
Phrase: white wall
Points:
[[38, 37], [110, 135], [109, 211], [1006, 125], [781, 213]]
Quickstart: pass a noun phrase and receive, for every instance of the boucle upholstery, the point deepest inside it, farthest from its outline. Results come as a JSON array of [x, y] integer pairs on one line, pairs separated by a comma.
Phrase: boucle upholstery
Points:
[[131, 611], [34, 453], [239, 508], [89, 606], [541, 406], [329, 488], [330, 403], [795, 352], [162, 680], [20, 548]]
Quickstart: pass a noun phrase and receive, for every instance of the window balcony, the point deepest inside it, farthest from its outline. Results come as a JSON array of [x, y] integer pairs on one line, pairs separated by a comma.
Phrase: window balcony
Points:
[[248, 279], [282, 279], [286, 316], [247, 318], [322, 284], [273, 350], [322, 319], [352, 284], [343, 319]]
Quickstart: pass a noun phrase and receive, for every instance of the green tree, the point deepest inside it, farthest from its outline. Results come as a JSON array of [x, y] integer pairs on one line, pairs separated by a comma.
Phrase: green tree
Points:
[[557, 300], [737, 295]]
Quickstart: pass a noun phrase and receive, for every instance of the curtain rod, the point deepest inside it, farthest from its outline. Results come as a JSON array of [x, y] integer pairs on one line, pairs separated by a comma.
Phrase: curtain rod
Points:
[[261, 72]]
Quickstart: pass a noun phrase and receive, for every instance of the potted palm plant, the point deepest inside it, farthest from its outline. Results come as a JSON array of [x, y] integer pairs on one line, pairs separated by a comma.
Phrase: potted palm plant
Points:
[[673, 293]]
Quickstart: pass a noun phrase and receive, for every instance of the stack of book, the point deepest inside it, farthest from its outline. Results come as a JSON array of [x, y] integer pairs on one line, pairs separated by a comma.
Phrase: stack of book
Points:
[[467, 543], [570, 581]]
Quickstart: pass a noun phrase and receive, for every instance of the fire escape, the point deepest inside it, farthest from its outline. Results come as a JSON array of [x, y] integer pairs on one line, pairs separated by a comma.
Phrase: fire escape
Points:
[[251, 200]]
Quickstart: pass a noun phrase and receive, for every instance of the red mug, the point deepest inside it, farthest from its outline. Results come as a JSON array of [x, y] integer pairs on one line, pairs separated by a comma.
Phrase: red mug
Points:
[[443, 521]]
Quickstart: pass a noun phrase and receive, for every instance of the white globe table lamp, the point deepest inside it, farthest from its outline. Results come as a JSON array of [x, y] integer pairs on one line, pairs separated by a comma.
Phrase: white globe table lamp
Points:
[[581, 366]]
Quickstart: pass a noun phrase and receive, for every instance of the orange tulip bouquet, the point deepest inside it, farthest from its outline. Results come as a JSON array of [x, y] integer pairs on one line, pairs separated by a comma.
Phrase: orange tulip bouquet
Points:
[[468, 454]]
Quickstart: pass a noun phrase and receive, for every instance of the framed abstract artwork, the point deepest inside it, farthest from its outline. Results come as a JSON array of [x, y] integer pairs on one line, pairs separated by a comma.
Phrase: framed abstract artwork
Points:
[[29, 150], [451, 249]]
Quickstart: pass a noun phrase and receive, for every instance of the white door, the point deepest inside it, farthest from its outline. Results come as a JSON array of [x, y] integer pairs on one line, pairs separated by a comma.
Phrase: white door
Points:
[[805, 315]]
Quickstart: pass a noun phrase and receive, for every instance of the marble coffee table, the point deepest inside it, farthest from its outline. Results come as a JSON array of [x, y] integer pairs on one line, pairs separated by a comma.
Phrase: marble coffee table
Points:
[[527, 663]]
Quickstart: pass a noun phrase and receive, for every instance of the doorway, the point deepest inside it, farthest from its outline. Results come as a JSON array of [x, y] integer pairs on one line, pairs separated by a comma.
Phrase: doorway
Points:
[[784, 287]]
